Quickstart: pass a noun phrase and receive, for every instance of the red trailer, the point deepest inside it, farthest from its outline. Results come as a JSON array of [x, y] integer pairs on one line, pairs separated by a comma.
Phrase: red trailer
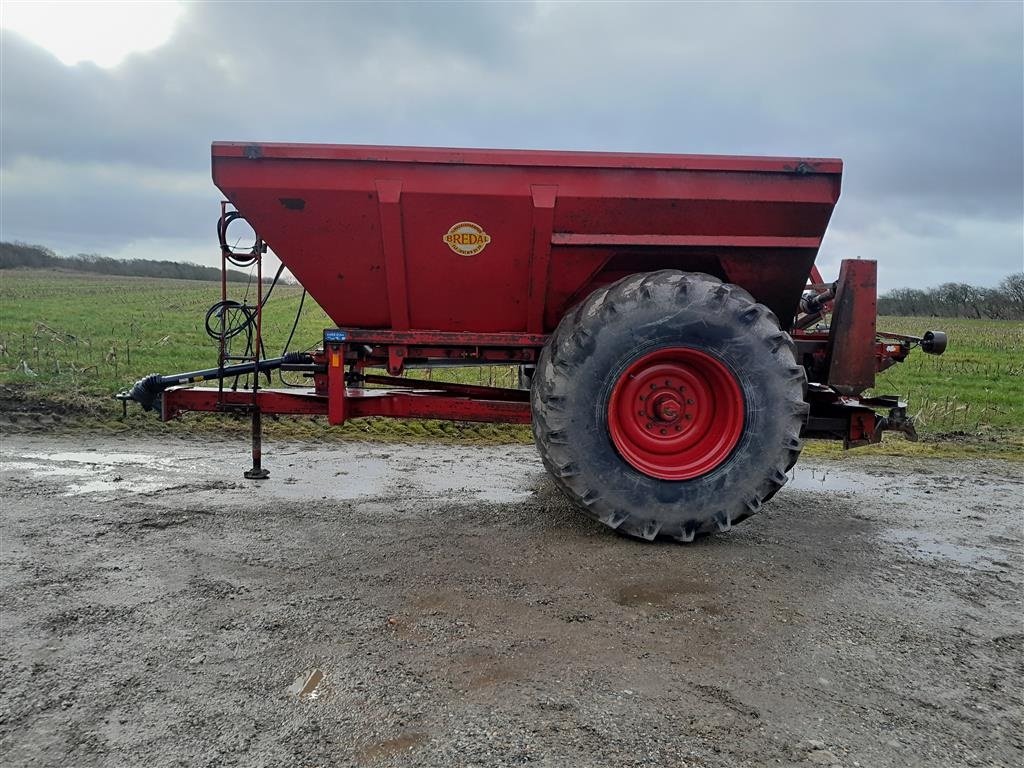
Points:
[[665, 310]]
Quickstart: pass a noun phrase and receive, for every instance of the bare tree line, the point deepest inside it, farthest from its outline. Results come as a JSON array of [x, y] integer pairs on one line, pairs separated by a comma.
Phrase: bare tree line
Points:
[[25, 256], [1004, 302]]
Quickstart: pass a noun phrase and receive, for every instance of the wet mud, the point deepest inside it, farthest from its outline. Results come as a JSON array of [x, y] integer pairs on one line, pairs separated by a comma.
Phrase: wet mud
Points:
[[385, 605]]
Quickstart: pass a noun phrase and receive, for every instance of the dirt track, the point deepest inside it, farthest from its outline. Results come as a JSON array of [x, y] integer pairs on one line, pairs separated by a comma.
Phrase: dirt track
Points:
[[159, 610]]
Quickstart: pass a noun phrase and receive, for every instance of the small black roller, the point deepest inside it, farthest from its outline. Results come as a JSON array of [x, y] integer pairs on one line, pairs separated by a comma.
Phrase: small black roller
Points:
[[934, 342]]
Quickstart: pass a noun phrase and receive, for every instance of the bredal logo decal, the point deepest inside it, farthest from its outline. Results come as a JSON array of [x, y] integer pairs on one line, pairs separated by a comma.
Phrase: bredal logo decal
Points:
[[467, 238]]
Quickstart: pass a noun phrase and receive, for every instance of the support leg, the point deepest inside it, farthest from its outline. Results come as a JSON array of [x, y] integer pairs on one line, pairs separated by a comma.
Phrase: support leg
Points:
[[257, 472]]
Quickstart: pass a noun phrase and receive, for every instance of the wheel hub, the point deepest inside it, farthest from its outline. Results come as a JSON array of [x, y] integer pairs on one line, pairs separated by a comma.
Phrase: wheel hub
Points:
[[667, 407], [676, 413]]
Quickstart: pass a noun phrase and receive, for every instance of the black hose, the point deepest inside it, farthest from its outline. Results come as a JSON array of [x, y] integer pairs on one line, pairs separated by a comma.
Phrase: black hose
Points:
[[291, 335], [226, 330], [239, 257], [298, 313], [248, 312]]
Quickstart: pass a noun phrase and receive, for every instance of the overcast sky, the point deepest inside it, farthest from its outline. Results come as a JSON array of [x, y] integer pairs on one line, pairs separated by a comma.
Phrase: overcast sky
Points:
[[924, 102]]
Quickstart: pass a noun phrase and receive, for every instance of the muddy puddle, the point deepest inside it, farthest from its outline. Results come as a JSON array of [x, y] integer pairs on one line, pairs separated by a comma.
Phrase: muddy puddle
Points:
[[304, 471], [922, 545], [825, 480], [390, 747], [837, 479], [308, 685], [919, 498], [349, 473]]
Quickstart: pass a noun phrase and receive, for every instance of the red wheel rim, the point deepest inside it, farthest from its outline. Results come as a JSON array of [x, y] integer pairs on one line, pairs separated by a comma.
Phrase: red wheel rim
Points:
[[676, 414]]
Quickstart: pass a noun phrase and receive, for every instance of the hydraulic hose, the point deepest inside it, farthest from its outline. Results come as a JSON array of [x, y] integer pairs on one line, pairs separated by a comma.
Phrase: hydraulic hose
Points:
[[238, 257], [222, 330]]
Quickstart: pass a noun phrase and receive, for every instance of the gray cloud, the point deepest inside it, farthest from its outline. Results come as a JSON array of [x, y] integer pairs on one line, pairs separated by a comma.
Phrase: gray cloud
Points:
[[923, 101]]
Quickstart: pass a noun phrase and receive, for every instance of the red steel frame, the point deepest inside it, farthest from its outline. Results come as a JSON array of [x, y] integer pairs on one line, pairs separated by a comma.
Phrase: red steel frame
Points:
[[356, 403], [332, 396]]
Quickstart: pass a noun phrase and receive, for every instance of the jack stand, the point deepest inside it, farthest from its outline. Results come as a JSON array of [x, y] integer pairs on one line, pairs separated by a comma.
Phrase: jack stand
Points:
[[257, 472]]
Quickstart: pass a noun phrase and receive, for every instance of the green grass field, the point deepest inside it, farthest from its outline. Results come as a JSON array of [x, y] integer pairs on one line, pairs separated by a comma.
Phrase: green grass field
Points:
[[85, 336], [976, 387], [75, 339]]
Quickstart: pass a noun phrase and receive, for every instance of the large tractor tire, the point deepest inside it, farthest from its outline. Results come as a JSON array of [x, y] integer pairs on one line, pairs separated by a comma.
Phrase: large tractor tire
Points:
[[669, 404]]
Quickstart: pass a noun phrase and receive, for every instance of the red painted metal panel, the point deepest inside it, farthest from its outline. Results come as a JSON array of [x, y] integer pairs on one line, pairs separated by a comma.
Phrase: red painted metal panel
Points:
[[318, 207], [852, 360], [540, 256], [179, 400], [564, 238], [477, 391], [412, 338], [417, 405], [336, 383], [522, 157], [358, 403], [389, 192], [484, 292]]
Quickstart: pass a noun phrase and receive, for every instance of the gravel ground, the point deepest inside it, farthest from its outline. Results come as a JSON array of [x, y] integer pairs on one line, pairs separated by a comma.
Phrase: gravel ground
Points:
[[385, 605]]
